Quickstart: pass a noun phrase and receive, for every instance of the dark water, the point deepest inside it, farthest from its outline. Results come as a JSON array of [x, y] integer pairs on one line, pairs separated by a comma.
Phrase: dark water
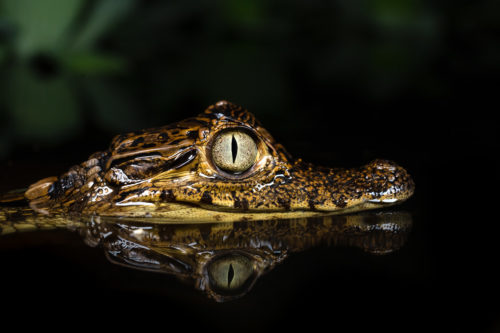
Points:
[[442, 277], [245, 266]]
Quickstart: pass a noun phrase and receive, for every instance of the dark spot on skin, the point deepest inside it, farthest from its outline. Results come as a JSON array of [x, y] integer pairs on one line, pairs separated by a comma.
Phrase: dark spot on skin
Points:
[[206, 198], [162, 137], [63, 184], [149, 145], [244, 204], [125, 194], [311, 204], [137, 142], [167, 196], [78, 205], [340, 202], [175, 142], [237, 203], [284, 203], [241, 204], [192, 135]]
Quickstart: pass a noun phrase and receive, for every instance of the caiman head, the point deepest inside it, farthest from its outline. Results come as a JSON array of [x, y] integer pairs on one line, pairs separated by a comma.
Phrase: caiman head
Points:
[[221, 165]]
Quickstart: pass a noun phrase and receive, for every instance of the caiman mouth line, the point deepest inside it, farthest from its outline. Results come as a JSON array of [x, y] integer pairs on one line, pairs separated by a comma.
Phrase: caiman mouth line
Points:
[[219, 166], [186, 213]]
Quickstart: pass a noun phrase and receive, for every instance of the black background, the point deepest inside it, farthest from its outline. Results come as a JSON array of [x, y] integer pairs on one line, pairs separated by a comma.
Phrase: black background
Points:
[[304, 69]]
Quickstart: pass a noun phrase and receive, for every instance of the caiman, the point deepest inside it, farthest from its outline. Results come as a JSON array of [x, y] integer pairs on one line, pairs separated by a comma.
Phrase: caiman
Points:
[[219, 166]]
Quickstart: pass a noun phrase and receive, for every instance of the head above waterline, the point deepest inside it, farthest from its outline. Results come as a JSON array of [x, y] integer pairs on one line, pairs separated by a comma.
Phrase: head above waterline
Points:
[[221, 165]]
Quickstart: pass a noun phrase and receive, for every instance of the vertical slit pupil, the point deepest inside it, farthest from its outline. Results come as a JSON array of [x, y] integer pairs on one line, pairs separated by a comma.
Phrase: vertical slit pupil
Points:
[[234, 148], [230, 275]]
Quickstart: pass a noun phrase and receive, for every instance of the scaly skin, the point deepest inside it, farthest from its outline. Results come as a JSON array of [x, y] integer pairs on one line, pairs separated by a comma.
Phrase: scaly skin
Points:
[[168, 173]]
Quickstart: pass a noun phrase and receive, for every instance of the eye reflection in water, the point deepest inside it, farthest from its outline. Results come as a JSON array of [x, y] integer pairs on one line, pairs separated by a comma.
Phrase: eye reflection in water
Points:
[[224, 260], [230, 273]]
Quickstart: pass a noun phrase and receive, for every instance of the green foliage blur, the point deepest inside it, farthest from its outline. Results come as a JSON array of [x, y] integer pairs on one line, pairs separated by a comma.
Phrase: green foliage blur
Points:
[[69, 68], [49, 55]]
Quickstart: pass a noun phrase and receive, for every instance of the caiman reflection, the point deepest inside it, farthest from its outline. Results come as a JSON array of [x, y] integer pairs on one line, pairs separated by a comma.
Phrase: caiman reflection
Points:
[[224, 260]]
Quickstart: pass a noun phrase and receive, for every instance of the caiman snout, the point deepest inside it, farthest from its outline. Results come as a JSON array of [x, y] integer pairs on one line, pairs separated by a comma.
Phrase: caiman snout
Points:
[[388, 182], [379, 182]]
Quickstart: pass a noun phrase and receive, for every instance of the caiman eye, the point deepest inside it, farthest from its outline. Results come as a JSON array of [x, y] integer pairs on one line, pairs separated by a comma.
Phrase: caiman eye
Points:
[[234, 151], [230, 273]]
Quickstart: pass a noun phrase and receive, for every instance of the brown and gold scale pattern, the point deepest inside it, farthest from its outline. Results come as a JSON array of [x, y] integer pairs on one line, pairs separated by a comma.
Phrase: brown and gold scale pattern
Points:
[[168, 172]]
